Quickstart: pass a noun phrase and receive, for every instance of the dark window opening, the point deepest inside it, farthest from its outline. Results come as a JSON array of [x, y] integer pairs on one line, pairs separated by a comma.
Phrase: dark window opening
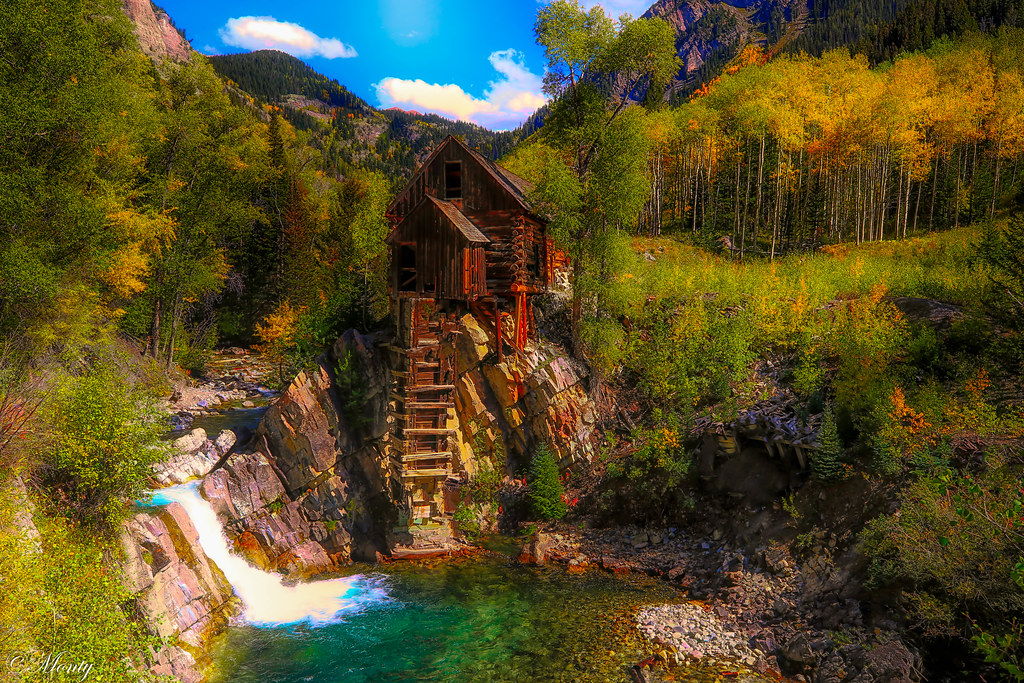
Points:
[[453, 180], [406, 269]]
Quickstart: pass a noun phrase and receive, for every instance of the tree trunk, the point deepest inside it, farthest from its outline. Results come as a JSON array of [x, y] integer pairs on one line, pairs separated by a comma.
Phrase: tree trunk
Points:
[[760, 182], [175, 320], [995, 180], [154, 330]]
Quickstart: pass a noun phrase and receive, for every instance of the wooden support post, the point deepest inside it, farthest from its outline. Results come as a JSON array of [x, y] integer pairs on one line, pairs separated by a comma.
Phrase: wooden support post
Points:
[[519, 319], [497, 328]]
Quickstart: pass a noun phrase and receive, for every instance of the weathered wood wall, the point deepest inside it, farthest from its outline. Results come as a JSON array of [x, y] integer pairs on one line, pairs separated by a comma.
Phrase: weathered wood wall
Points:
[[447, 265]]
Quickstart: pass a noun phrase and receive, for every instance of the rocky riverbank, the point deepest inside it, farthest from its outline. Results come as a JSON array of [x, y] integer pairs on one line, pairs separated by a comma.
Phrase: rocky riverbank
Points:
[[762, 611], [233, 391], [180, 592]]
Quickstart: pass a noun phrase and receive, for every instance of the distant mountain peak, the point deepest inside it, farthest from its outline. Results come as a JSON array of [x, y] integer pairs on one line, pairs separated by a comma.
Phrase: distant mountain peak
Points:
[[157, 35]]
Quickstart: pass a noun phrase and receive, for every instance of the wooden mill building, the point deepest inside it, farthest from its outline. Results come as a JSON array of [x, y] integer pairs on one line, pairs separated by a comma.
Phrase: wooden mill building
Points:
[[464, 239]]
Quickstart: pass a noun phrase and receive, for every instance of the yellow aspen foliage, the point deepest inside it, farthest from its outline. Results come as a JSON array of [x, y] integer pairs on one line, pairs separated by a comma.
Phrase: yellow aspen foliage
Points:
[[125, 275], [277, 330]]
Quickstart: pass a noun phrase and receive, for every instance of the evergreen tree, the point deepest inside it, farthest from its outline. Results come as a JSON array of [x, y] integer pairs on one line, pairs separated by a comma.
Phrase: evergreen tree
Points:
[[827, 459], [546, 488], [1004, 251]]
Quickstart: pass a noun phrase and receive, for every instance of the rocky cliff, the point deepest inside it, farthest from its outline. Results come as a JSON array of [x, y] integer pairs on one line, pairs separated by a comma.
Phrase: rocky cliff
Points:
[[157, 35], [710, 32], [534, 396], [180, 592], [315, 492]]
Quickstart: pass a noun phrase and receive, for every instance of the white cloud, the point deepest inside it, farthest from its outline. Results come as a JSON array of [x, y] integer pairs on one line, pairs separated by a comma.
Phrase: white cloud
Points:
[[507, 102], [615, 8], [259, 33]]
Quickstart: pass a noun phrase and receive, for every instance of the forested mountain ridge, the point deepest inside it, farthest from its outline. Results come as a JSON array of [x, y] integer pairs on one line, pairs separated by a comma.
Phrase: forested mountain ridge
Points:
[[710, 34], [354, 133]]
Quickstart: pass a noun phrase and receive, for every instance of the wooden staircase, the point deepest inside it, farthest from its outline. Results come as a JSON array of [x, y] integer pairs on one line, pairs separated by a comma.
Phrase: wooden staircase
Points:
[[422, 392]]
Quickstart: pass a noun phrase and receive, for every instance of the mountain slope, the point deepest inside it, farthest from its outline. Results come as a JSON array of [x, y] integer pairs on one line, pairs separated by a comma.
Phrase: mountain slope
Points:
[[158, 37], [710, 33], [353, 133]]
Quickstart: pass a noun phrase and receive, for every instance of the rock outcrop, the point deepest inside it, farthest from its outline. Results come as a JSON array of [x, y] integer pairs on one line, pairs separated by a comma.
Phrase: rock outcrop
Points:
[[531, 397], [157, 36], [193, 455], [316, 490], [180, 592], [706, 29], [314, 493]]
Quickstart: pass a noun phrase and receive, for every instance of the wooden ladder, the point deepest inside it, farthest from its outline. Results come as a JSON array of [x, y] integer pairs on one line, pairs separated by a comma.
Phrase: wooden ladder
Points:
[[423, 391]]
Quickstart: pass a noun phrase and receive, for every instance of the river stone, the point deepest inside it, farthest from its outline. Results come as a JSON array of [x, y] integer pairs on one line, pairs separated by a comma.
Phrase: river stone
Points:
[[191, 442], [225, 440], [536, 550]]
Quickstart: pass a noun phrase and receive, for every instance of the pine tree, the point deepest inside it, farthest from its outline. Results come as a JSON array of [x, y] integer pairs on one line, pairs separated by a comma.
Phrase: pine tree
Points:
[[826, 461], [546, 489], [1003, 250]]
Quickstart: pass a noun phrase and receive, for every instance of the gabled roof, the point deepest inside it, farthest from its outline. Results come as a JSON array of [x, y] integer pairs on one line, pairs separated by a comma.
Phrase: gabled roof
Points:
[[459, 220], [452, 213], [509, 180], [516, 186]]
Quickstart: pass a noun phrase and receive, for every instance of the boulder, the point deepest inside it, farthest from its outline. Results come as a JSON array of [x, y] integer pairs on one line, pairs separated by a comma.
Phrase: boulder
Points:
[[798, 650], [191, 442], [535, 551], [889, 662], [224, 441]]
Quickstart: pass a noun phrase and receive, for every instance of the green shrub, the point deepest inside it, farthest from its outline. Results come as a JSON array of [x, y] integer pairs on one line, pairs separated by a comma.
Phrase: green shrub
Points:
[[1004, 650], [546, 490], [485, 483], [954, 550], [466, 520], [67, 599], [651, 481], [105, 438]]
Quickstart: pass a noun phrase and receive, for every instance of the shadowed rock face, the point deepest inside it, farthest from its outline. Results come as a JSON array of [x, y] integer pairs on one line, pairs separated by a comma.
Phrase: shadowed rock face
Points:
[[157, 36], [314, 493]]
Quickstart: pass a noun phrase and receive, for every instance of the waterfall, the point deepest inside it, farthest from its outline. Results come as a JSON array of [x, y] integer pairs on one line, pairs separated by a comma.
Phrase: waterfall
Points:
[[268, 601]]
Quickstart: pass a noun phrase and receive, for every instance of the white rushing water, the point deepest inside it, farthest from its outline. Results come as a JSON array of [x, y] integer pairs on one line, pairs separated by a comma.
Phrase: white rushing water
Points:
[[268, 602]]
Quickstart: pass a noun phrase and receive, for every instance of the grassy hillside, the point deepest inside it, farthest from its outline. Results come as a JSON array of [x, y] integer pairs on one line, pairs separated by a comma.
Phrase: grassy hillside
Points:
[[899, 353]]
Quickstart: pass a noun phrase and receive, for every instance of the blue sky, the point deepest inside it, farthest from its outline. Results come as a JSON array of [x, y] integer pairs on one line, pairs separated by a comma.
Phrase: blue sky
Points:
[[475, 61]]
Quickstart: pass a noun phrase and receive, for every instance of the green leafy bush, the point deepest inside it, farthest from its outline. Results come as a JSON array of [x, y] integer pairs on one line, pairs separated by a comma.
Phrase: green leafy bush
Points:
[[546, 490], [466, 520], [652, 481], [66, 598], [953, 549], [105, 437]]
